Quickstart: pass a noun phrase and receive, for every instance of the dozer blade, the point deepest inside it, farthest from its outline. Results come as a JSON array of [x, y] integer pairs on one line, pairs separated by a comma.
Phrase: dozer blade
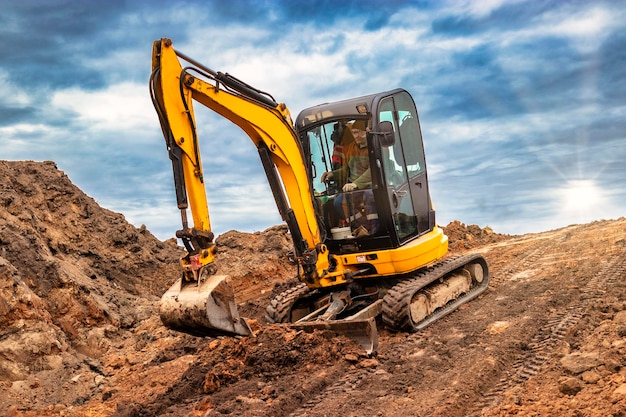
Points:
[[203, 309], [361, 331], [360, 327]]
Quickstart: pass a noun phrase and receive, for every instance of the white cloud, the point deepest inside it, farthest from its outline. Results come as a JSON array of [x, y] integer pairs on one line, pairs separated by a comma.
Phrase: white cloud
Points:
[[288, 67], [479, 8], [26, 129], [35, 141], [119, 107], [584, 27], [586, 23]]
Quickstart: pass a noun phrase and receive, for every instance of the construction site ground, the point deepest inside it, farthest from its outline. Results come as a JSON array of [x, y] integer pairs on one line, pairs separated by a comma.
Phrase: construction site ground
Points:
[[80, 333]]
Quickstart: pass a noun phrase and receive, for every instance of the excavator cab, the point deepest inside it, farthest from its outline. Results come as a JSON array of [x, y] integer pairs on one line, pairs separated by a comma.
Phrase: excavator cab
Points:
[[393, 205]]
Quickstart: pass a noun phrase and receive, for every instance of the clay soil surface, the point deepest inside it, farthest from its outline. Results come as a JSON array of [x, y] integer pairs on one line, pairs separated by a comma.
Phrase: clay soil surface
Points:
[[80, 333]]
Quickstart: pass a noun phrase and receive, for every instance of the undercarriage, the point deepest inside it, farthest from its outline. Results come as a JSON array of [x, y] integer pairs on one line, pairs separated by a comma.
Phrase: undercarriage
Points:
[[407, 303]]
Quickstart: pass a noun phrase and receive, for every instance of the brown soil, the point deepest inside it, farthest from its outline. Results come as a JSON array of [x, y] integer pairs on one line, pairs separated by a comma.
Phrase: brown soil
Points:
[[80, 334]]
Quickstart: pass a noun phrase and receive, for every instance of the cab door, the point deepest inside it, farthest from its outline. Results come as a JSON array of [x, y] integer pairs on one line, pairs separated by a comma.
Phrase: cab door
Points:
[[404, 168]]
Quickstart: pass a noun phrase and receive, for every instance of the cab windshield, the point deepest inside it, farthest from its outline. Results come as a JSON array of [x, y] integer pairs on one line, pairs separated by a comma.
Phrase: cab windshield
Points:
[[341, 177]]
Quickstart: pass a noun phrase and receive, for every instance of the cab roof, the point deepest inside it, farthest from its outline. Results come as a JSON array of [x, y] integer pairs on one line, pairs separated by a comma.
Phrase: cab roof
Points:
[[353, 108]]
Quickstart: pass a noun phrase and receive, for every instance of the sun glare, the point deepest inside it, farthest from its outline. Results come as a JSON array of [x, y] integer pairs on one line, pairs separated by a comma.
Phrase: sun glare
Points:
[[581, 196]]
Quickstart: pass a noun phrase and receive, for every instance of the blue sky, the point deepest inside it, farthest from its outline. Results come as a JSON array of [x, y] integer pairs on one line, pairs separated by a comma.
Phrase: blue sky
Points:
[[522, 103]]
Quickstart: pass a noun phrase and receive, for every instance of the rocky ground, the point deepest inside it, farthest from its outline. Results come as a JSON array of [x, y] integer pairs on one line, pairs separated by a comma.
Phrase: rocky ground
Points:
[[80, 334]]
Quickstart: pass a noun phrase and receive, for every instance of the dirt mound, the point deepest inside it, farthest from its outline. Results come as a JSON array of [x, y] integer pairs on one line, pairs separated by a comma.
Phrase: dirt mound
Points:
[[222, 366], [462, 237], [72, 276], [257, 266], [80, 335]]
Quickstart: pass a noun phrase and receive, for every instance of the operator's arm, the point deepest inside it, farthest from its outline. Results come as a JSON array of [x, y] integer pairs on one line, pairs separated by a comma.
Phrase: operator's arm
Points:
[[364, 180], [336, 174]]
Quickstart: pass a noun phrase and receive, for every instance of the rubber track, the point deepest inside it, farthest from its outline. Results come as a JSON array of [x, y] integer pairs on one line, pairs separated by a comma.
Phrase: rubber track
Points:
[[396, 303], [279, 308]]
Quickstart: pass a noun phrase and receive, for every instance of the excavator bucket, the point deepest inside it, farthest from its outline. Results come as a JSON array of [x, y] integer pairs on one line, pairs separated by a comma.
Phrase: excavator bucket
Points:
[[204, 308]]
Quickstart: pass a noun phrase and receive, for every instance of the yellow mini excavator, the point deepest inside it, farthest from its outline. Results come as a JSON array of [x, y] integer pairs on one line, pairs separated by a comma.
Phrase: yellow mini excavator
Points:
[[350, 180]]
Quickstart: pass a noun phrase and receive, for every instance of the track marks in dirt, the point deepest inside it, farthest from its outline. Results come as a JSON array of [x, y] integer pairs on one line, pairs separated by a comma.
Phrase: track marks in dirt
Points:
[[527, 260], [343, 388], [542, 346]]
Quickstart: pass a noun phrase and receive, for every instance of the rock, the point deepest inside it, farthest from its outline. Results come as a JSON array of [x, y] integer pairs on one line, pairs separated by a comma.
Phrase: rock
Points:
[[577, 363], [99, 380], [369, 363], [591, 377], [570, 386], [620, 318], [211, 383], [351, 357], [618, 394]]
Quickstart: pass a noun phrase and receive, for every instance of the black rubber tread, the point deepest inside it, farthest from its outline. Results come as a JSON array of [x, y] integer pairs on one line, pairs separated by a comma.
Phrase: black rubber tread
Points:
[[396, 303], [279, 309]]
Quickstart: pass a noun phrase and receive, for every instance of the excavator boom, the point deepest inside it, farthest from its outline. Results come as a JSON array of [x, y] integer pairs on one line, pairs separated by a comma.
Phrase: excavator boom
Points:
[[202, 302]]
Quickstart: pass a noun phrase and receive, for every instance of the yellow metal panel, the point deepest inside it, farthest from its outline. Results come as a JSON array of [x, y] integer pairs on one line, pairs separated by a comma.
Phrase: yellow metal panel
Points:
[[416, 254], [178, 117]]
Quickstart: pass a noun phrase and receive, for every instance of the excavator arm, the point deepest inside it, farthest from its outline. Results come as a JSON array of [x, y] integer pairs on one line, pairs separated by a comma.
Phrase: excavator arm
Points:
[[268, 124]]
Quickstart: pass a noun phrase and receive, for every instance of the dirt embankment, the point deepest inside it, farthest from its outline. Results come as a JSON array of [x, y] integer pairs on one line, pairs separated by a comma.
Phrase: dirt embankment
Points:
[[79, 333], [73, 278]]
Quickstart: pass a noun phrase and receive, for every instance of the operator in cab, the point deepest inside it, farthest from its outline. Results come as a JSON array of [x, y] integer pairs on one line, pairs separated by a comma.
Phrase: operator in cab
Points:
[[355, 206]]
